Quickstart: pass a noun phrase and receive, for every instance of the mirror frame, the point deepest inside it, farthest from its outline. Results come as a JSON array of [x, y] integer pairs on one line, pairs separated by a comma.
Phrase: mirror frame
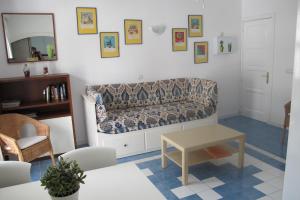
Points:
[[54, 33]]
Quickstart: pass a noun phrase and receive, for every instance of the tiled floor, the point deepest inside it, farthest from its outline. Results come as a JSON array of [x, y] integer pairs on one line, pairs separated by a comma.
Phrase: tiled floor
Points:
[[262, 177], [259, 134]]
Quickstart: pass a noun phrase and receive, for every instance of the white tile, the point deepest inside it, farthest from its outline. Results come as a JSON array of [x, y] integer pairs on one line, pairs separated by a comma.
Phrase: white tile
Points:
[[276, 182], [252, 160], [147, 172], [264, 166], [266, 188], [264, 176], [191, 179], [209, 195], [265, 198], [182, 192], [219, 162], [212, 182], [276, 195], [197, 187], [276, 172]]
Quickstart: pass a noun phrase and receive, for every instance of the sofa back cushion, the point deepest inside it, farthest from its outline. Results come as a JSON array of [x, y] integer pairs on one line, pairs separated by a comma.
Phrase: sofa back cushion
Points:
[[143, 94], [173, 90], [203, 91], [114, 96]]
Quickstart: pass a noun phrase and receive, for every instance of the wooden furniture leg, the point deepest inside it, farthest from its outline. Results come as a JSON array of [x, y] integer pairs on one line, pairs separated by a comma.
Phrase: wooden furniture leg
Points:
[[164, 160], [52, 158], [185, 168], [241, 152]]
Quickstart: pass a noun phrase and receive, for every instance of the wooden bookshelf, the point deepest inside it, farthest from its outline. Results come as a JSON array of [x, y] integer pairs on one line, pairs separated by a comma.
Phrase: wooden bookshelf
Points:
[[29, 91]]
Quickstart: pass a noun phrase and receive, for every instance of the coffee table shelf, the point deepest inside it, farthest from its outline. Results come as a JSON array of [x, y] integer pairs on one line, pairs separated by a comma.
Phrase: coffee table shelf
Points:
[[201, 144], [199, 156]]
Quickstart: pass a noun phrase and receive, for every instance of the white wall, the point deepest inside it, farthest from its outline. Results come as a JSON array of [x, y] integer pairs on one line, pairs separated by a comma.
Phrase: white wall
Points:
[[285, 12], [79, 55], [292, 173]]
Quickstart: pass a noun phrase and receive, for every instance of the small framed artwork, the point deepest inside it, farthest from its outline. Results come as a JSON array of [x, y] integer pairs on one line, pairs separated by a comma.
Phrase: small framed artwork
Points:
[[200, 52], [86, 20], [109, 44], [133, 29], [195, 25], [179, 39]]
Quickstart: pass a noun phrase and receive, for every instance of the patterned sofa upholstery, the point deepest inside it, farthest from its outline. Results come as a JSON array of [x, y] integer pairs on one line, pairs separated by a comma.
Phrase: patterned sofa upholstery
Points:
[[122, 108]]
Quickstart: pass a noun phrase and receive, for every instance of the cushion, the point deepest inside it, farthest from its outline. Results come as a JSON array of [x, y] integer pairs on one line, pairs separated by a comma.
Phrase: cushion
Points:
[[143, 94], [137, 118], [114, 96], [173, 90], [29, 141]]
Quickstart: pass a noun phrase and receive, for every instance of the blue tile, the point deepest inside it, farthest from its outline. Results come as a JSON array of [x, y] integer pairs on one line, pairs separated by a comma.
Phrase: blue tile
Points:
[[259, 134]]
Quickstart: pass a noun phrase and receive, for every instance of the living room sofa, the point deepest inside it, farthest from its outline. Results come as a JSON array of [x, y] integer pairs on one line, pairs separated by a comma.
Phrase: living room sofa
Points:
[[122, 109]]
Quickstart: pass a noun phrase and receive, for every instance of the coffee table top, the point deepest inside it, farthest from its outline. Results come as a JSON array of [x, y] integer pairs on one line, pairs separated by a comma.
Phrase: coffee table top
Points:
[[202, 137]]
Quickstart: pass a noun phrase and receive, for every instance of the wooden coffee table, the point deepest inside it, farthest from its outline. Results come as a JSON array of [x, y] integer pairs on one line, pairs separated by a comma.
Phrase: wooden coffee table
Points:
[[198, 145]]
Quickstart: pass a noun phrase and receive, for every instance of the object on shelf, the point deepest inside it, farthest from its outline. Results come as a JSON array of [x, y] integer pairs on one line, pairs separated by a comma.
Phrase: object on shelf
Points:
[[55, 92], [45, 70], [26, 71], [224, 45], [10, 104]]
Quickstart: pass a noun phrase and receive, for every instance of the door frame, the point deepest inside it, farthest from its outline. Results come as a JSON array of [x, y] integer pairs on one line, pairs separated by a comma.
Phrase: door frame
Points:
[[271, 16]]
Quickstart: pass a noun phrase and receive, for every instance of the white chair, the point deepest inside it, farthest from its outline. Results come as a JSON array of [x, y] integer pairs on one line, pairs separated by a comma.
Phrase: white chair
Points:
[[14, 173], [90, 158]]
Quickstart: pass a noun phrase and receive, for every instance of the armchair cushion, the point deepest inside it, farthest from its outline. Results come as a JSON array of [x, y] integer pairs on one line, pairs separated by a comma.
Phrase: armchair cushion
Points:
[[29, 141]]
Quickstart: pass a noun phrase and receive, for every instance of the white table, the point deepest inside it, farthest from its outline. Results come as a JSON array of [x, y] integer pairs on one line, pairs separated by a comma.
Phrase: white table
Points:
[[124, 181]]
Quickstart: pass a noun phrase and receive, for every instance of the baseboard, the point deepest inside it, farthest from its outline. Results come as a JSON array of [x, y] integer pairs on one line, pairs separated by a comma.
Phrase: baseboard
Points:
[[228, 115]]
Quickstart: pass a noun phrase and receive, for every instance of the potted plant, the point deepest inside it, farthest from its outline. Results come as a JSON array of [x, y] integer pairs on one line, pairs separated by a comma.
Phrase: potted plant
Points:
[[63, 180]]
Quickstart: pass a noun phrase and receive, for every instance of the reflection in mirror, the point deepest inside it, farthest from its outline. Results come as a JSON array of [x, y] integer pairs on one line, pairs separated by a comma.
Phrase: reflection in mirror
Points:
[[29, 37]]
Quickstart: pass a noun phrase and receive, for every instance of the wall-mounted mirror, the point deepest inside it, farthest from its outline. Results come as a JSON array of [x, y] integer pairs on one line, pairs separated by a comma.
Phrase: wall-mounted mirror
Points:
[[29, 37]]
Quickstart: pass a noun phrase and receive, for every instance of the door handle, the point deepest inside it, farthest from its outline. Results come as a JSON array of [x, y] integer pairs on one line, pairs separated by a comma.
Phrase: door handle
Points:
[[267, 76]]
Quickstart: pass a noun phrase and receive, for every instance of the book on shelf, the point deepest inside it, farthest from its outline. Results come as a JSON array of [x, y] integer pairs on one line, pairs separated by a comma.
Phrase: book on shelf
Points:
[[10, 103], [56, 92]]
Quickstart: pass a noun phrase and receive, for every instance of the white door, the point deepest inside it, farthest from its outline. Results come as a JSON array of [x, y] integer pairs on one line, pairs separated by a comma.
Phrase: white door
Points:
[[257, 64]]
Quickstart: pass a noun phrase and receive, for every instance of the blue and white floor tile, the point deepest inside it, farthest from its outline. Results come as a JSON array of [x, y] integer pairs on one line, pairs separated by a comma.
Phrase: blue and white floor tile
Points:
[[261, 178], [220, 179]]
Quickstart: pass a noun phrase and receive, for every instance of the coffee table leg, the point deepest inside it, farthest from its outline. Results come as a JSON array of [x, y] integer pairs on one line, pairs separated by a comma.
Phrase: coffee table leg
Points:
[[241, 151], [185, 168], [164, 161]]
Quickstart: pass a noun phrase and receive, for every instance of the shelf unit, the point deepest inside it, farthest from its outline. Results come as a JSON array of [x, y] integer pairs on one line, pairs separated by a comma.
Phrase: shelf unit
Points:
[[30, 92]]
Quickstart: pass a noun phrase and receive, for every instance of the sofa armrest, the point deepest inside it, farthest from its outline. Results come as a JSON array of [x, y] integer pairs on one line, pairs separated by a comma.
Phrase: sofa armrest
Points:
[[96, 97]]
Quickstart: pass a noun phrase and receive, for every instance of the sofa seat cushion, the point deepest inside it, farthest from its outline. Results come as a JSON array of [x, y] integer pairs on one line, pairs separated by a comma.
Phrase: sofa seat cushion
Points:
[[137, 118]]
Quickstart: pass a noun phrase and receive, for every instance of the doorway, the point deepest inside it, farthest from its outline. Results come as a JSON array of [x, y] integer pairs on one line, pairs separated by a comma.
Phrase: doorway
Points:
[[257, 65]]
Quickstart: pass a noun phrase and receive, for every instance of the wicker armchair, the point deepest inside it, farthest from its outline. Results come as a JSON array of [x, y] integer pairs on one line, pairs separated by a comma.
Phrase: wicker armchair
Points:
[[26, 148]]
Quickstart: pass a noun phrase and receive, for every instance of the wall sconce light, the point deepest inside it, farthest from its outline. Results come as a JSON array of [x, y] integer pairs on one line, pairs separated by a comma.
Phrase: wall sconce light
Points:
[[158, 29]]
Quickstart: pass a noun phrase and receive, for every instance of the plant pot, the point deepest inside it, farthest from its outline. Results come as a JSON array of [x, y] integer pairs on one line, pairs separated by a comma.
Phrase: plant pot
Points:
[[70, 197]]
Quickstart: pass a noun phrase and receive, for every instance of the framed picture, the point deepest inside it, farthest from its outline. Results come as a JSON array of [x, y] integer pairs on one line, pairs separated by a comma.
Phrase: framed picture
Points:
[[109, 44], [179, 39], [86, 20], [133, 29], [200, 52], [195, 25]]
